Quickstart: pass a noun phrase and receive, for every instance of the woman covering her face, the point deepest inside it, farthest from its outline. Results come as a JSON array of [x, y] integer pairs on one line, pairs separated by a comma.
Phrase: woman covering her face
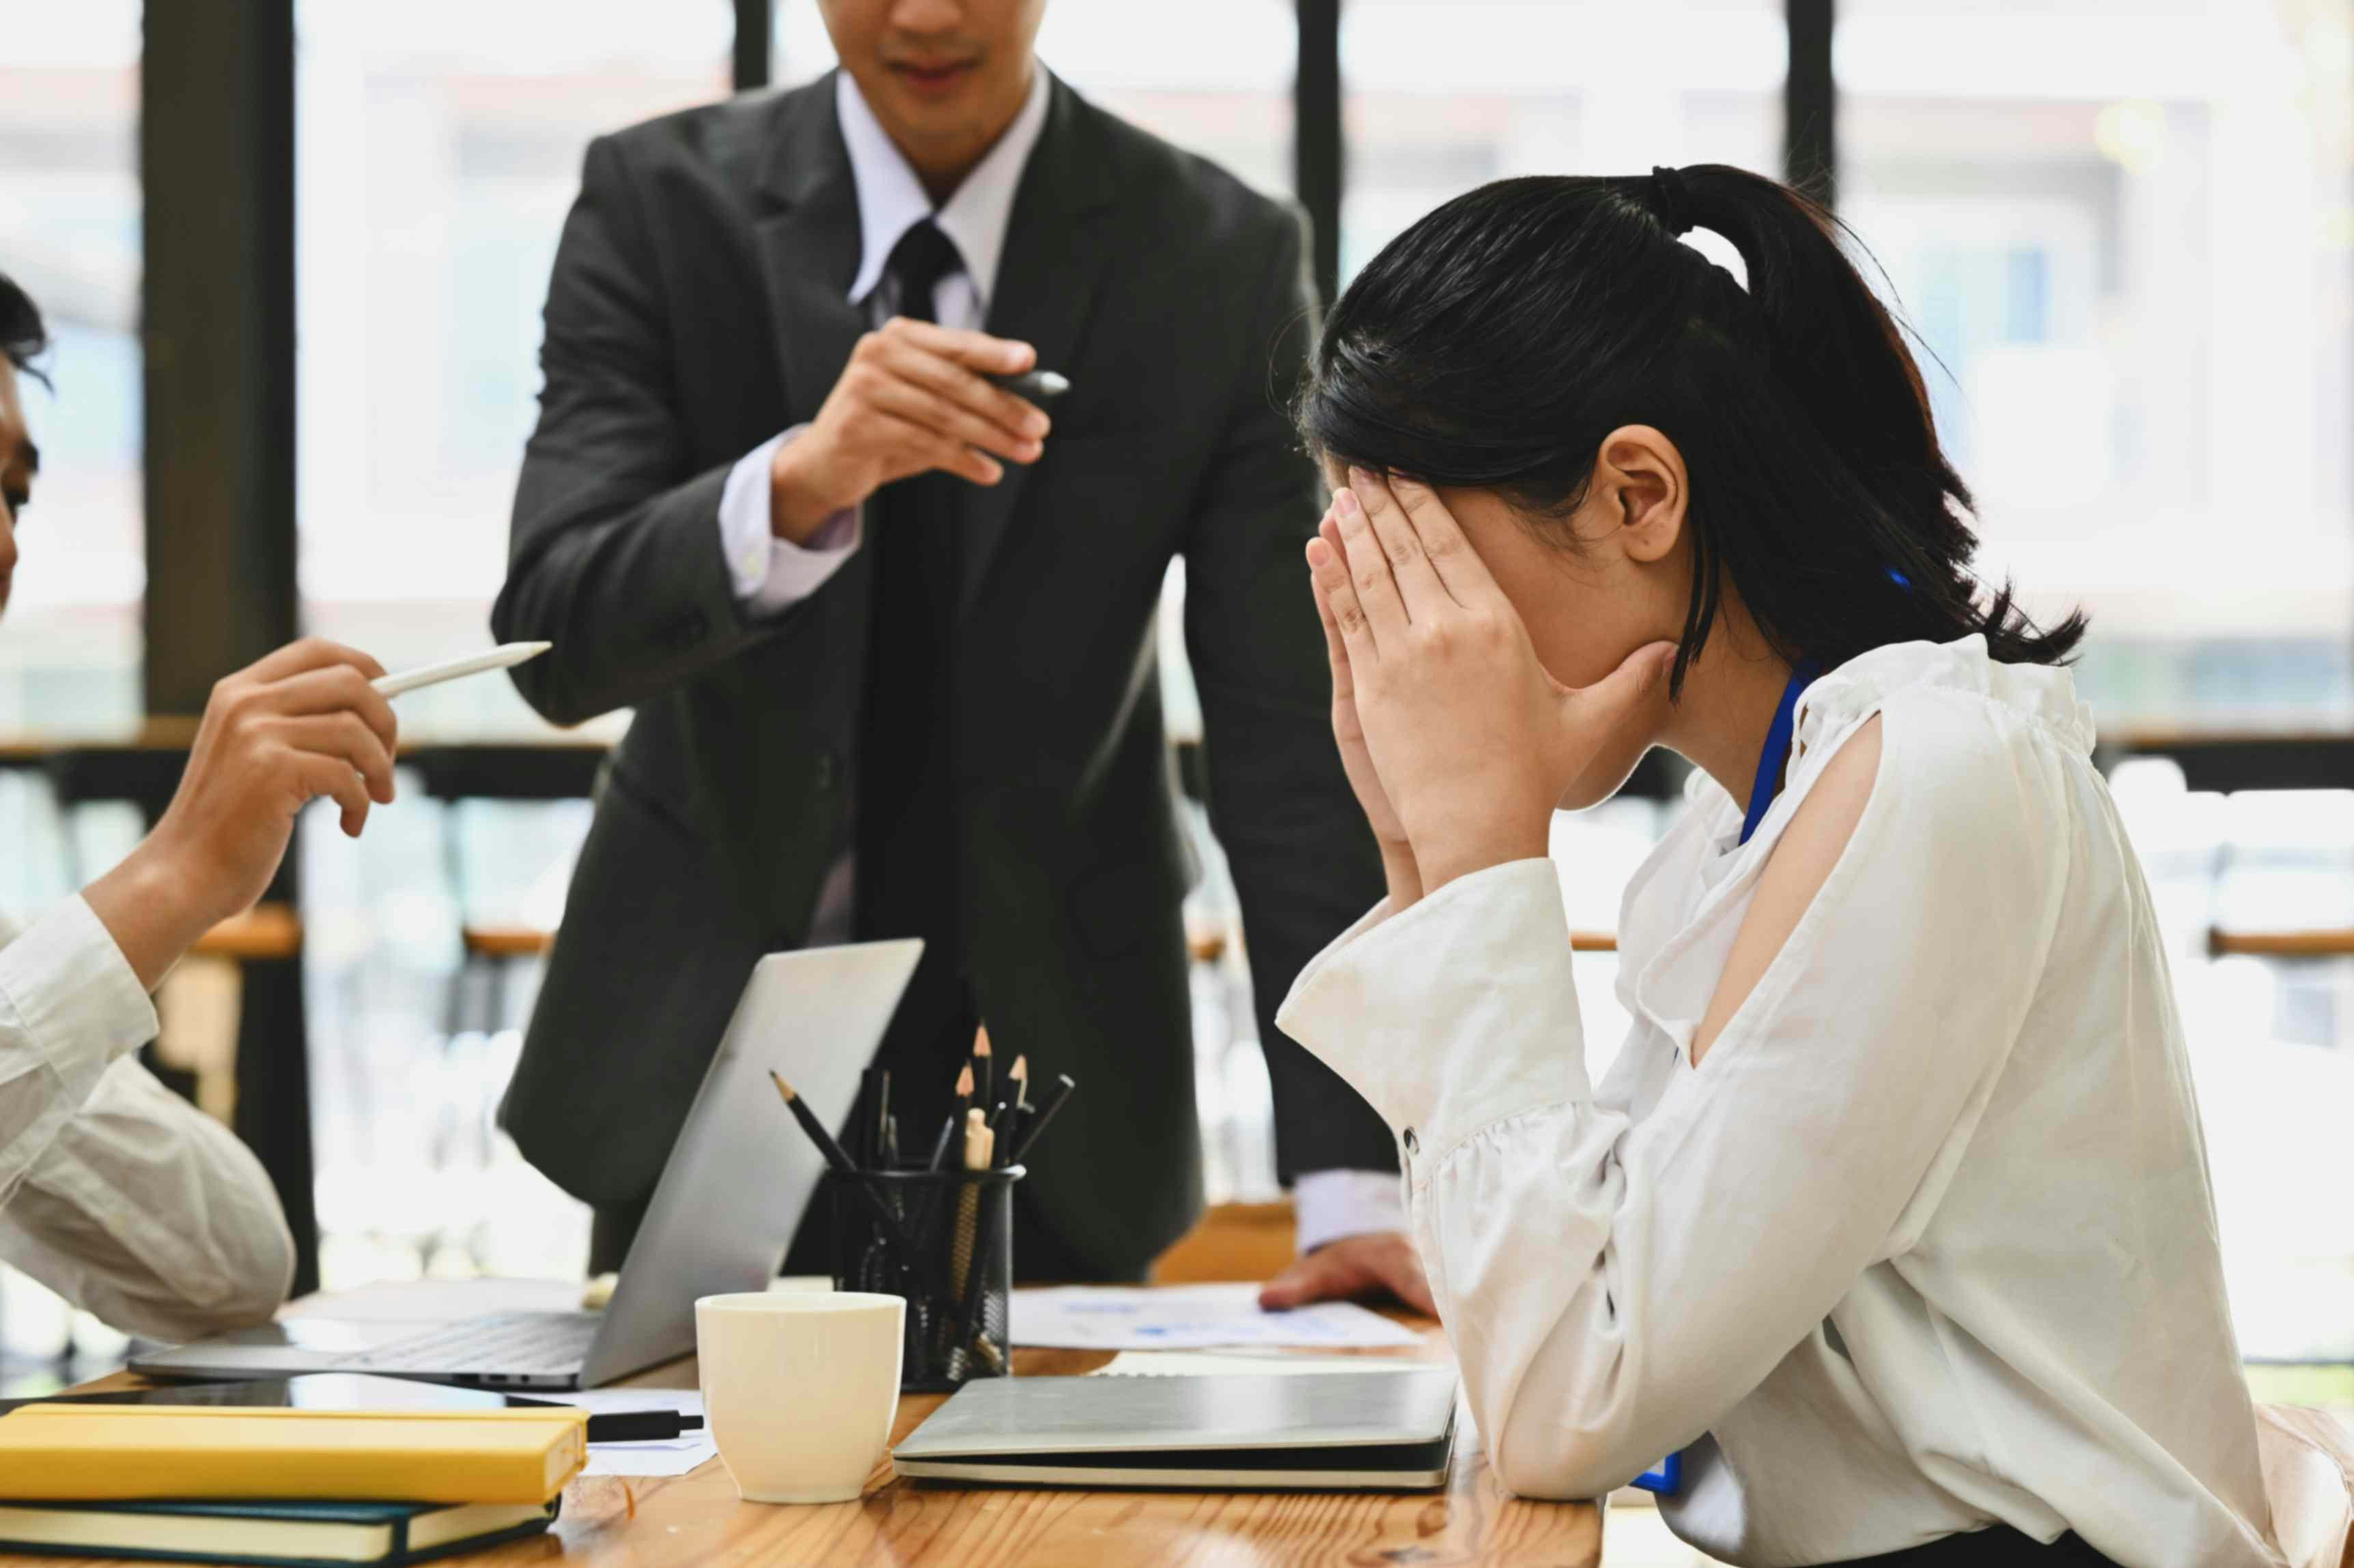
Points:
[[1891, 1217]]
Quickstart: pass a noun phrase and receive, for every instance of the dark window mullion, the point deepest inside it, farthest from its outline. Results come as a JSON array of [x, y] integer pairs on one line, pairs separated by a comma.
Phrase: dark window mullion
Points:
[[1811, 102], [1316, 152], [756, 24]]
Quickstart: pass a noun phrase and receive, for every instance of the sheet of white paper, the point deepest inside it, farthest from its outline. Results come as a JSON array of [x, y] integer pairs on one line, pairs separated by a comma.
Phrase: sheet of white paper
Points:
[[1189, 1318], [1204, 1364], [640, 1460], [673, 1456]]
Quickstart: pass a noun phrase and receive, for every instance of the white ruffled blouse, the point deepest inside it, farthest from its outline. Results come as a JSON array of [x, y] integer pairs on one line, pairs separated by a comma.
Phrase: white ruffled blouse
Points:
[[1923, 1243], [115, 1193]]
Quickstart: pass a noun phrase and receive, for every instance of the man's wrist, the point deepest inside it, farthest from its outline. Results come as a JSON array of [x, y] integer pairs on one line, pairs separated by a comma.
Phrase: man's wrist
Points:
[[798, 506], [1329, 1204]]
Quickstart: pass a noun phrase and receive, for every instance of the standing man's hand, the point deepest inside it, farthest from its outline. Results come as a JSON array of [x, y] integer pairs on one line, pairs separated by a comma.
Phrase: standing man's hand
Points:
[[911, 399], [302, 723], [1371, 1263]]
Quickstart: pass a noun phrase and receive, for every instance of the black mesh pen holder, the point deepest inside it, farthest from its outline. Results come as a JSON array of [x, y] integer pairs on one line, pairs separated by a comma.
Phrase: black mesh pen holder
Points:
[[943, 1240]]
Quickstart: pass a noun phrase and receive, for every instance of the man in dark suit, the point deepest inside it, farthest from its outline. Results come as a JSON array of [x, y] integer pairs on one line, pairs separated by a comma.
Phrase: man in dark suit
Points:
[[889, 632]]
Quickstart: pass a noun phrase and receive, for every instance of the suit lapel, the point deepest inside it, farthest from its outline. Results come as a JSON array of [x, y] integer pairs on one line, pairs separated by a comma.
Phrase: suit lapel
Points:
[[1047, 281], [809, 245]]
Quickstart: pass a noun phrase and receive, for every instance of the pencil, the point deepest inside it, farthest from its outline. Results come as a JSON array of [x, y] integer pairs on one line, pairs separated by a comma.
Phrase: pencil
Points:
[[978, 1142], [984, 1066], [818, 1135], [859, 1146], [956, 1120], [1018, 1114], [1044, 1114], [835, 1157]]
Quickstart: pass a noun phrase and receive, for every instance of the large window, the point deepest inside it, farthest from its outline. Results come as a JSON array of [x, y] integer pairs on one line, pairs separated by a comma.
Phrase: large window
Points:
[[1442, 98], [438, 148], [2123, 230], [70, 229]]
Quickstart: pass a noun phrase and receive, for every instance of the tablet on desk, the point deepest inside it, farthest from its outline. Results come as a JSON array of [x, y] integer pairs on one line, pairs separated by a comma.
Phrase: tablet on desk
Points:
[[1377, 1431], [312, 1391]]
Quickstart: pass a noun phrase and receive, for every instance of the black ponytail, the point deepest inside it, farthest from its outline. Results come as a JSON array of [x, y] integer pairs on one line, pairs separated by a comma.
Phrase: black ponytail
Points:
[[1498, 340]]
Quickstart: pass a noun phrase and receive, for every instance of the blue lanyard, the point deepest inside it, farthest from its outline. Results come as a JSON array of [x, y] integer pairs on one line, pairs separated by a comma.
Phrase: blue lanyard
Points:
[[1776, 755], [1668, 1475]]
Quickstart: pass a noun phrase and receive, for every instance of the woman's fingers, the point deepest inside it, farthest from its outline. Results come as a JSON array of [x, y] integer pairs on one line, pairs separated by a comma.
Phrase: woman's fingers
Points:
[[1329, 567], [1343, 684], [1368, 571], [1610, 702], [1418, 585], [1448, 555]]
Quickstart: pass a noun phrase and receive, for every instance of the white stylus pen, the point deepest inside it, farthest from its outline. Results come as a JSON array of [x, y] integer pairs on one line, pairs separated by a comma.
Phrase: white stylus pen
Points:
[[505, 656]]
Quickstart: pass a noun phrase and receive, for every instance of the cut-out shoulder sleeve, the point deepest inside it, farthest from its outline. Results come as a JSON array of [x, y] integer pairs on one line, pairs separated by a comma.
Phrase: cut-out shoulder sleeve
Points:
[[1801, 862], [1611, 1288]]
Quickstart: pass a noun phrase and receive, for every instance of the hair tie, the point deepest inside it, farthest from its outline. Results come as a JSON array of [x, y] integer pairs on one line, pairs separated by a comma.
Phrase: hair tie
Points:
[[1670, 200]]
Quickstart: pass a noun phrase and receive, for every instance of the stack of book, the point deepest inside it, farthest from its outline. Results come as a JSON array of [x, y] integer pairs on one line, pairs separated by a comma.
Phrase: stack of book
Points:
[[199, 1484]]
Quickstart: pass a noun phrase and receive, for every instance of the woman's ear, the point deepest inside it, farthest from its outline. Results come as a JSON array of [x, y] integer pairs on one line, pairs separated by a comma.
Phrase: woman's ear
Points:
[[1639, 475]]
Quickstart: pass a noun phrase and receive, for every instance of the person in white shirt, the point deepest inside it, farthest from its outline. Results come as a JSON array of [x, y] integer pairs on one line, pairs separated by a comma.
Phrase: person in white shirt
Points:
[[1891, 1216], [115, 1192]]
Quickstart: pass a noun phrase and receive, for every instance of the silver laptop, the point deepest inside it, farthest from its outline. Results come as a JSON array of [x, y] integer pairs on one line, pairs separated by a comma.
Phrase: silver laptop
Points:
[[729, 1202], [1387, 1428]]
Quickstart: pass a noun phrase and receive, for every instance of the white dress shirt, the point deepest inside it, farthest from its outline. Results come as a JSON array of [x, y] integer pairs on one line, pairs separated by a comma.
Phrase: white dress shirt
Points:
[[1925, 1241], [770, 574], [115, 1193]]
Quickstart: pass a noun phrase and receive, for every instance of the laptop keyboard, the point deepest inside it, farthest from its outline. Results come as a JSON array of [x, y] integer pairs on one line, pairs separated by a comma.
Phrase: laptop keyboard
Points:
[[519, 1343]]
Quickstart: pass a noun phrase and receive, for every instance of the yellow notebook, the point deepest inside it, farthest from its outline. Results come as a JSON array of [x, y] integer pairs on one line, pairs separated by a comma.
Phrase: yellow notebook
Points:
[[94, 1451]]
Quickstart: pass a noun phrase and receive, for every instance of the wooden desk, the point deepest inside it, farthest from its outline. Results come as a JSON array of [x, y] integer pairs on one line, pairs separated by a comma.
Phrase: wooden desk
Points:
[[693, 1519]]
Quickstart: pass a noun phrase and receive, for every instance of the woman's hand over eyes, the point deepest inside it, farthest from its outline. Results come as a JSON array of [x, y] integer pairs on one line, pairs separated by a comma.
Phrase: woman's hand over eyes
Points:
[[1473, 742], [1349, 735]]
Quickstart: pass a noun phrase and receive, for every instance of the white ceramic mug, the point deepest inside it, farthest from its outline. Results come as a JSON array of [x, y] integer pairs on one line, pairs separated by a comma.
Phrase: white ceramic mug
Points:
[[800, 1388]]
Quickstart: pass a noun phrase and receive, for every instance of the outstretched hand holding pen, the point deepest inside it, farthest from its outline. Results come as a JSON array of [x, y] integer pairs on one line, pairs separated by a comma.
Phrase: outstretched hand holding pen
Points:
[[299, 723], [312, 719]]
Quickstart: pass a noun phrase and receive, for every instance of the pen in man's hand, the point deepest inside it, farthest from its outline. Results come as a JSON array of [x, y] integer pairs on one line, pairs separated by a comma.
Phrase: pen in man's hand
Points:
[[1039, 386]]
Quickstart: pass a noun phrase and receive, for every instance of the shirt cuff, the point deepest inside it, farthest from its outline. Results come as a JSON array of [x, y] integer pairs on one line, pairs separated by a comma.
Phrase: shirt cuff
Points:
[[1329, 1204], [1475, 961], [74, 993], [769, 573]]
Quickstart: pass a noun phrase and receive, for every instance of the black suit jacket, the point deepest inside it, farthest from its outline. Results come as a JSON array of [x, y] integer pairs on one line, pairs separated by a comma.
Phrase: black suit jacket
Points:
[[697, 307]]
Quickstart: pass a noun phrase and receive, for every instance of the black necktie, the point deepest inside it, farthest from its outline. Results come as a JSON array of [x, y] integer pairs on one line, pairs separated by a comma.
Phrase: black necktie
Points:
[[907, 840]]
